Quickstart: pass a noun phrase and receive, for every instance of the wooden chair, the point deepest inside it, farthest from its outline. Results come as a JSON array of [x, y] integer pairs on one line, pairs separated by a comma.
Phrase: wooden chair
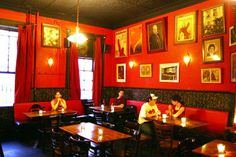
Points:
[[185, 148], [78, 147]]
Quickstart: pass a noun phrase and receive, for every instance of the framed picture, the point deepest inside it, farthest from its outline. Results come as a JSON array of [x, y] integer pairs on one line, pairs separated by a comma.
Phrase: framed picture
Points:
[[169, 72], [86, 49], [135, 39], [121, 44], [185, 28], [212, 50], [211, 75], [213, 21], [233, 67], [145, 70], [51, 36], [120, 72], [156, 33], [232, 36]]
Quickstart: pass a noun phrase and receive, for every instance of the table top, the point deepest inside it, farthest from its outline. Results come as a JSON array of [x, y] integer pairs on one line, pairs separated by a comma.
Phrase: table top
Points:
[[190, 124], [48, 113], [106, 109], [90, 131], [210, 149]]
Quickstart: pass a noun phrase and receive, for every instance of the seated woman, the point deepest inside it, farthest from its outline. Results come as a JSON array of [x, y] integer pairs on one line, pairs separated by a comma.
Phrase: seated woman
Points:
[[177, 109], [58, 103]]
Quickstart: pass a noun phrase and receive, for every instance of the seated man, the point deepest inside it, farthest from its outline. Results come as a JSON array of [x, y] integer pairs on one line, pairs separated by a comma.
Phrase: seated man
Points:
[[58, 103], [120, 101]]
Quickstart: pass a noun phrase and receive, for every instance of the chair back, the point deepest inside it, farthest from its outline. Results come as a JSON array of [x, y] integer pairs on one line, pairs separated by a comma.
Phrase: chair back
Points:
[[57, 142], [185, 147], [78, 147], [131, 112], [68, 118], [99, 116]]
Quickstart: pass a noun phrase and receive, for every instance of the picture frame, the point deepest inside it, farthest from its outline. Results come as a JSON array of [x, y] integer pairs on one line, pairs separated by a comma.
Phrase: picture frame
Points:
[[169, 72], [213, 21], [212, 50], [156, 34], [51, 36], [211, 75], [121, 72], [185, 28], [135, 39], [145, 70], [232, 36], [233, 67], [121, 44]]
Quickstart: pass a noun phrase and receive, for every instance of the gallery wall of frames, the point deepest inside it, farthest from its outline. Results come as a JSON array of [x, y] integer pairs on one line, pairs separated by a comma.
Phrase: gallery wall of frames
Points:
[[205, 32]]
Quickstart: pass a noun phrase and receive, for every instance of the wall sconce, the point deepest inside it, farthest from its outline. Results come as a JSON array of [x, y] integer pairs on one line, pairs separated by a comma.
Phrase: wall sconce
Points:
[[50, 62], [187, 59], [132, 64]]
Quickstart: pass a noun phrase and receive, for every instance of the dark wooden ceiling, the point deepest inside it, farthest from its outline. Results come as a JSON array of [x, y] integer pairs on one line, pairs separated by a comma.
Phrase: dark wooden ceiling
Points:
[[105, 13]]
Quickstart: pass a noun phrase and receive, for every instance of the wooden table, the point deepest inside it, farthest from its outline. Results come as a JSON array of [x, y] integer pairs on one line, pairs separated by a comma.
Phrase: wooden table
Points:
[[48, 113], [210, 149], [106, 109], [190, 124], [90, 131]]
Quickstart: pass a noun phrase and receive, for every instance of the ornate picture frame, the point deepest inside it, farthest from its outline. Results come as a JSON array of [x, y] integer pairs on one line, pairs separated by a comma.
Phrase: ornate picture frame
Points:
[[232, 36], [121, 72], [145, 70], [51, 36], [121, 44], [212, 50], [233, 67], [211, 75], [157, 36], [213, 21], [135, 39], [185, 28], [169, 72]]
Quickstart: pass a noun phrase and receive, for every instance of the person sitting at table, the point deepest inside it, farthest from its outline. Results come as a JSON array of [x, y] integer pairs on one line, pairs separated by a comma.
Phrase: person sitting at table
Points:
[[58, 103], [148, 113], [120, 101], [177, 109]]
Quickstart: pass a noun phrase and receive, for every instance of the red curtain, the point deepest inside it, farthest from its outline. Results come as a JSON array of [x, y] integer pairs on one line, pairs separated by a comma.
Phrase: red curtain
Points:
[[97, 75], [24, 63], [74, 73]]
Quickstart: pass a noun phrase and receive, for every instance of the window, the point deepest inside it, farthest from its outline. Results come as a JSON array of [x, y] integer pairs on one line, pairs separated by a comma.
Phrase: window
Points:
[[8, 52], [86, 78]]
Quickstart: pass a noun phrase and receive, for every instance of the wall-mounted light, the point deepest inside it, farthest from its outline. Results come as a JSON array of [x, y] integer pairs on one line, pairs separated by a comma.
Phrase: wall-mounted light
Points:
[[132, 64], [187, 59], [50, 61]]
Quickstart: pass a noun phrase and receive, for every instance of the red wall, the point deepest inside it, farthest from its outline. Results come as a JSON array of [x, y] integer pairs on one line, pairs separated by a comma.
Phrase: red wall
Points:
[[190, 78], [55, 76]]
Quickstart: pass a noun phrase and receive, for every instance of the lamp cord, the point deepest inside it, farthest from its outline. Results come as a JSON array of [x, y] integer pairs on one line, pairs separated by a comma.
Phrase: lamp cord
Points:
[[77, 15]]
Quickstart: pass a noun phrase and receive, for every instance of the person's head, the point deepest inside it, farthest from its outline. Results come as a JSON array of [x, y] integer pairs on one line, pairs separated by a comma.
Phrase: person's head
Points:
[[175, 99], [155, 29], [58, 95], [211, 48], [152, 99], [121, 93]]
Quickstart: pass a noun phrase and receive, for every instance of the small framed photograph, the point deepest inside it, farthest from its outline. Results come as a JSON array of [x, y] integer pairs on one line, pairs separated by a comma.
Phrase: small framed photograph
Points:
[[135, 40], [213, 21], [185, 28], [233, 67], [169, 72], [212, 50], [156, 32], [120, 72], [51, 36], [121, 44], [232, 36], [211, 75], [145, 70]]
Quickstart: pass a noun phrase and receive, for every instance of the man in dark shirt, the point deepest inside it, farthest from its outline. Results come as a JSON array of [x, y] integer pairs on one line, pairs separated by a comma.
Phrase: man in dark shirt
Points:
[[120, 101]]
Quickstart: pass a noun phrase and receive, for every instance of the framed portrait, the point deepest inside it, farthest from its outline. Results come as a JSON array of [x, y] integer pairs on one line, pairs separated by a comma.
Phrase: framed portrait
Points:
[[232, 36], [233, 67], [169, 72], [211, 75], [185, 28], [212, 50], [213, 21], [156, 34], [51, 36], [120, 72], [145, 70], [135, 39], [121, 44]]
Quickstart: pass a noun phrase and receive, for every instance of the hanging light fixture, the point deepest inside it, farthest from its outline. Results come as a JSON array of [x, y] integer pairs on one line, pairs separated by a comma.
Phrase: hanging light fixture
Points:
[[77, 37]]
